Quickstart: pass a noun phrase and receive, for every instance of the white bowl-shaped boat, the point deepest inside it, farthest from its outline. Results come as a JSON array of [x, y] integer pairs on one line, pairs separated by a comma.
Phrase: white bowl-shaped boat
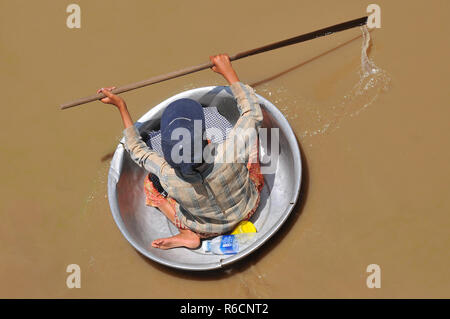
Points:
[[141, 224]]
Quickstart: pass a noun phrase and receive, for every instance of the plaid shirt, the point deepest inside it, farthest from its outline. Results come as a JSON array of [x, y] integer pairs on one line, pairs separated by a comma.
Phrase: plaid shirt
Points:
[[216, 200]]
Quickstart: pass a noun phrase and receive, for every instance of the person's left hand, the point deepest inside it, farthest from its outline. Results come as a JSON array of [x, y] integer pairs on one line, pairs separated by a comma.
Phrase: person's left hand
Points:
[[111, 98], [222, 65], [157, 200]]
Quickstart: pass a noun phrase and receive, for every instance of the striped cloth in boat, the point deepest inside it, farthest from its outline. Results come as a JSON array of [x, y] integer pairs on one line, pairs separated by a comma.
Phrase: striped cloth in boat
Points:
[[213, 121]]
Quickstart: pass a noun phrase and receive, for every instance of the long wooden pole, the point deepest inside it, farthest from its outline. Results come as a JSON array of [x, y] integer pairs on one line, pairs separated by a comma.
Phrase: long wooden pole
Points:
[[160, 78]]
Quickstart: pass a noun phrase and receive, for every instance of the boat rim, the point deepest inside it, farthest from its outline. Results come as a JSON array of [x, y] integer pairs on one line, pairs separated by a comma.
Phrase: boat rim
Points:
[[116, 166]]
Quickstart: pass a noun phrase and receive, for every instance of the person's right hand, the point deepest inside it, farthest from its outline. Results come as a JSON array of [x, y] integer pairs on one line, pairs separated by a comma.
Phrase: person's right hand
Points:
[[222, 65]]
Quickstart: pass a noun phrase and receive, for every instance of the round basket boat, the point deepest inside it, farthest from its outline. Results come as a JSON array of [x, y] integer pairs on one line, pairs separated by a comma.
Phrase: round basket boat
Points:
[[141, 224]]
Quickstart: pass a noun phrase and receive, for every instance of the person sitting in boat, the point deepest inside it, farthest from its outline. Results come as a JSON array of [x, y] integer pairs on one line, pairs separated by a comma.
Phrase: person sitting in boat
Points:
[[202, 198]]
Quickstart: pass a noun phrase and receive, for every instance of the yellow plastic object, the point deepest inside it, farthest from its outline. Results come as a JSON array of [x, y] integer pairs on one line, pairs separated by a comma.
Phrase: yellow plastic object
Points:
[[244, 227]]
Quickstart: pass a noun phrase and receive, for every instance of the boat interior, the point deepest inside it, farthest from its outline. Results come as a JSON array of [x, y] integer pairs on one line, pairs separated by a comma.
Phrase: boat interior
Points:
[[280, 164]]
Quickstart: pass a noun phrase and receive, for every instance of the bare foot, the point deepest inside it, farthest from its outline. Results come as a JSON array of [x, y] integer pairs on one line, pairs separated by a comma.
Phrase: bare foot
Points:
[[185, 238]]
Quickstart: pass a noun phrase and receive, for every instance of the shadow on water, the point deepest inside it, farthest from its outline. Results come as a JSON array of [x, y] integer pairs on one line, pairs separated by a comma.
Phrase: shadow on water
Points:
[[252, 259], [292, 68]]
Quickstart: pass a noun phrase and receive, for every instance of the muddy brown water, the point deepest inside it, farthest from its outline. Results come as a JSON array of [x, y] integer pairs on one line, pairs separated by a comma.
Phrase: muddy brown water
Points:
[[375, 187]]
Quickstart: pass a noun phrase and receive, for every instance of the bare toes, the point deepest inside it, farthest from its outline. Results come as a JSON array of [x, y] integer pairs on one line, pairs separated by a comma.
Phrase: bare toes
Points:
[[156, 243]]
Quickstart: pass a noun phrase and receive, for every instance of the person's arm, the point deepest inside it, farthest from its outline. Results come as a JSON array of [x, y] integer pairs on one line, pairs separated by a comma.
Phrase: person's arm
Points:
[[140, 153], [119, 103], [222, 65], [245, 96], [245, 129]]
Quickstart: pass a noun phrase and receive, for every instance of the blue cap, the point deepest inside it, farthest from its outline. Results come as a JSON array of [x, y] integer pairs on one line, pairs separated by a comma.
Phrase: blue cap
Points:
[[187, 116]]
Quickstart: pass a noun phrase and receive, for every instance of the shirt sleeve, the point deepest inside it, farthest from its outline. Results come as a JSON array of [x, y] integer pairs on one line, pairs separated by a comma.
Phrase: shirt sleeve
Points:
[[243, 138], [140, 153]]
